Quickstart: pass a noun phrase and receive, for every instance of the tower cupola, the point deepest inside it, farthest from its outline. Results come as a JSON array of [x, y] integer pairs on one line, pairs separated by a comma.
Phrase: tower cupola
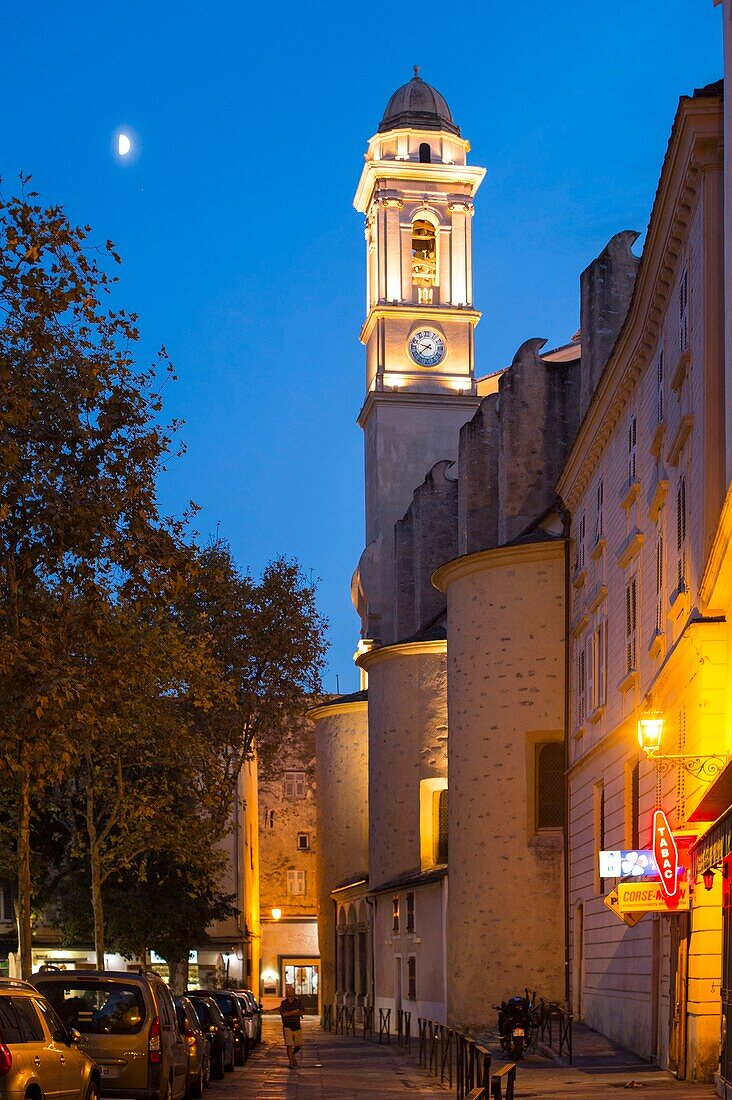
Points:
[[417, 106]]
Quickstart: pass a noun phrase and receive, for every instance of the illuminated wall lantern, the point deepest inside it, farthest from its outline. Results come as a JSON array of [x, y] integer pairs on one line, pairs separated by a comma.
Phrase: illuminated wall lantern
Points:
[[708, 877], [276, 914], [650, 731]]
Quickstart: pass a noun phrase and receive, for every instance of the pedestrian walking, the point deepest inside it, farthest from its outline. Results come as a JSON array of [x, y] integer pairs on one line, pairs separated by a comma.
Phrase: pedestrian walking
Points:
[[292, 1012]]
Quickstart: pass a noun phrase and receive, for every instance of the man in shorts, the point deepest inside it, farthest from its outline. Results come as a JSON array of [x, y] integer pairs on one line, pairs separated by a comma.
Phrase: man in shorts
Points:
[[291, 1011]]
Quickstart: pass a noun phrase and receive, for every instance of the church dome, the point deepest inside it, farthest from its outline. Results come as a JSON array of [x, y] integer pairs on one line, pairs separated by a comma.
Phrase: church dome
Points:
[[419, 106]]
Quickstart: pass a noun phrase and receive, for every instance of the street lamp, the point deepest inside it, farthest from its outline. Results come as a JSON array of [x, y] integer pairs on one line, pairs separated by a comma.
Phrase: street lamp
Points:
[[650, 732], [276, 914]]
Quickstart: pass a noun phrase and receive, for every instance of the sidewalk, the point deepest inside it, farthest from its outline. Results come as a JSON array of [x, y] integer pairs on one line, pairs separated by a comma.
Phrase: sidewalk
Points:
[[337, 1067]]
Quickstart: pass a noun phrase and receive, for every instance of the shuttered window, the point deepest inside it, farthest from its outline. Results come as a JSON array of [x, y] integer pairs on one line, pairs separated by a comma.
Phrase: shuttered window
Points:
[[659, 388], [442, 824], [295, 883], [631, 624], [580, 542], [660, 584], [681, 577], [598, 692], [684, 311], [295, 785], [581, 685], [411, 978], [632, 451], [599, 510]]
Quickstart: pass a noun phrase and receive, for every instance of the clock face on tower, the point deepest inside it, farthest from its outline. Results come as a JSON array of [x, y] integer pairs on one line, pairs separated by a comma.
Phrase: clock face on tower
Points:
[[427, 348]]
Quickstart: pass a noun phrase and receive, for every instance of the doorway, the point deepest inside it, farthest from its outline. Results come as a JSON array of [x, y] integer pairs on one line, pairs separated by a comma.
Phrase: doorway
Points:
[[304, 974], [397, 983], [578, 962]]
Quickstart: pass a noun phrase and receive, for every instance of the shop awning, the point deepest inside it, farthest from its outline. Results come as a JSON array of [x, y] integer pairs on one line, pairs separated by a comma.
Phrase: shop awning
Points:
[[716, 799]]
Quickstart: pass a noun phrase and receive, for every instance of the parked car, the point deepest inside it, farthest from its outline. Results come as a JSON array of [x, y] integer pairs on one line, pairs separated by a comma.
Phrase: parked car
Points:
[[250, 1022], [128, 1025], [39, 1056], [228, 1002], [256, 1009], [220, 1035], [198, 1074]]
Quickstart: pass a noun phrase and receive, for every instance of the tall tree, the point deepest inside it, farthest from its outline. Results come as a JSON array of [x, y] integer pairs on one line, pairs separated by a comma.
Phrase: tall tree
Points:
[[80, 448]]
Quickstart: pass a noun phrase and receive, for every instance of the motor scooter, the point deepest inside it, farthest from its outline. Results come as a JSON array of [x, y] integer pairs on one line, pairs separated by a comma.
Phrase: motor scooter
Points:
[[517, 1024]]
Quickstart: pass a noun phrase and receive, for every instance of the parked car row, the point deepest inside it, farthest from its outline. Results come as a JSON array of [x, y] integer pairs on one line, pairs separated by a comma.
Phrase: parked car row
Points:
[[82, 1035]]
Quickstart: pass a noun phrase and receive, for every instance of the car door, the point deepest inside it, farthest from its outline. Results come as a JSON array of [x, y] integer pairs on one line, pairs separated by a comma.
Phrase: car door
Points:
[[71, 1060], [173, 1040], [39, 1048]]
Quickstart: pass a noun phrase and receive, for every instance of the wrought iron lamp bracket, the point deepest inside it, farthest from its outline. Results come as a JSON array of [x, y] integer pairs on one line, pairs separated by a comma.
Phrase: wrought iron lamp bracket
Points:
[[701, 767]]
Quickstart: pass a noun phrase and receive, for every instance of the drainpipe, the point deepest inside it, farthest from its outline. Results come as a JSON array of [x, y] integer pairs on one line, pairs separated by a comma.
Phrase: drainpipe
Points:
[[567, 720]]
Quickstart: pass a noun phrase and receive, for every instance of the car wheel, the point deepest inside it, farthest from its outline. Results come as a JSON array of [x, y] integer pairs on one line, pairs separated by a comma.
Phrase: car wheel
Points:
[[239, 1054], [207, 1073], [92, 1093], [195, 1085], [217, 1066], [229, 1066]]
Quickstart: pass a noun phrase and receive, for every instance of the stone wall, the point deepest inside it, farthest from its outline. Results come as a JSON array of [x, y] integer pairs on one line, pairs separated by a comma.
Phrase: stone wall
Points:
[[342, 778], [506, 697]]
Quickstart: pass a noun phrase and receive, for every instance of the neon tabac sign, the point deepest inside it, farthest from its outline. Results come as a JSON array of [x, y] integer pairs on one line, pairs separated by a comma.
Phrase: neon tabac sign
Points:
[[666, 854]]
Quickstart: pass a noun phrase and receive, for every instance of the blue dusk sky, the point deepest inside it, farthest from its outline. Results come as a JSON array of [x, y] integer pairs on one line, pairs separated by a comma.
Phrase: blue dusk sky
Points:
[[242, 251]]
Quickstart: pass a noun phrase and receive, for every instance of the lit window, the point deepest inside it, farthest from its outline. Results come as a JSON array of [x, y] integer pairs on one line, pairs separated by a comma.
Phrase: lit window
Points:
[[295, 883], [295, 785], [550, 785], [442, 826], [395, 914], [303, 842]]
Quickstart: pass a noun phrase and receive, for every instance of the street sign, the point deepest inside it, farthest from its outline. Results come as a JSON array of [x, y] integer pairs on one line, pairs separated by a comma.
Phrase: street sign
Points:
[[651, 897], [627, 862], [627, 918], [666, 854]]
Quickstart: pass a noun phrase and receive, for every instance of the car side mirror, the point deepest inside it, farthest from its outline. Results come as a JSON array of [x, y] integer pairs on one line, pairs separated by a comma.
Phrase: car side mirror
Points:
[[74, 1035]]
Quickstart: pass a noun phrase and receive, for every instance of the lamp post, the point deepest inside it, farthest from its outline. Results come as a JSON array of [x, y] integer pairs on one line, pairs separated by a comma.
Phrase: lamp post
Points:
[[650, 733]]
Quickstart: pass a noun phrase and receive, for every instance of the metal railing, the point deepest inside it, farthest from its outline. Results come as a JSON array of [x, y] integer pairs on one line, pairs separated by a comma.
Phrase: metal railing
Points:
[[404, 1029], [555, 1021]]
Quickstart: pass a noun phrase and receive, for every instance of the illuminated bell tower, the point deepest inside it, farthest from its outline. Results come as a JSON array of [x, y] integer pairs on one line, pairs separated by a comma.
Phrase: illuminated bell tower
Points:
[[416, 192]]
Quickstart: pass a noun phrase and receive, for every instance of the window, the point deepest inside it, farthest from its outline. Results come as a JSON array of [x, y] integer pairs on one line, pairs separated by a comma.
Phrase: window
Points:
[[6, 903], [295, 883], [424, 260], [295, 785], [631, 624], [660, 583], [580, 542], [681, 535], [634, 807], [9, 1022], [410, 912], [581, 684], [303, 842], [632, 451], [395, 914], [659, 388], [550, 785], [269, 819], [30, 1026], [442, 826], [425, 153], [411, 978], [599, 832], [97, 1007], [598, 680], [684, 311], [599, 505]]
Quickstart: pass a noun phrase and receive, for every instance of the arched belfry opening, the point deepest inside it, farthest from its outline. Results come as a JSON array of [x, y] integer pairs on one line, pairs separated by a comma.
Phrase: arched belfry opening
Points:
[[424, 260], [425, 153]]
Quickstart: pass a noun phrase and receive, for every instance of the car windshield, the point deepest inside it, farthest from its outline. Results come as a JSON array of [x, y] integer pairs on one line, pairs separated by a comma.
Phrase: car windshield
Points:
[[227, 1002], [97, 1007]]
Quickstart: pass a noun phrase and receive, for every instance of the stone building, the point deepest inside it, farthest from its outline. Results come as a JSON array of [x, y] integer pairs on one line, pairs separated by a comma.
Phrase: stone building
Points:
[[547, 568], [287, 871]]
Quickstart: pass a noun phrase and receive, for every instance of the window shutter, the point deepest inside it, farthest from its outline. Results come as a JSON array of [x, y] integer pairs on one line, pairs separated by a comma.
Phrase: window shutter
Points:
[[631, 620], [632, 449], [681, 534], [684, 311], [599, 502], [659, 387], [659, 584], [590, 666], [581, 685], [581, 542]]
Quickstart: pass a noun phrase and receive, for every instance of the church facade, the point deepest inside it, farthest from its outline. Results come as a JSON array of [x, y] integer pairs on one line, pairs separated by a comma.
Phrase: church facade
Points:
[[547, 577]]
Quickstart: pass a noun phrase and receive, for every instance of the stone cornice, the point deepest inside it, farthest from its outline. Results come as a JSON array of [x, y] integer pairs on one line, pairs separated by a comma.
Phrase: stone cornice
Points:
[[694, 148], [523, 553], [401, 649], [424, 315], [329, 709], [416, 397], [412, 171]]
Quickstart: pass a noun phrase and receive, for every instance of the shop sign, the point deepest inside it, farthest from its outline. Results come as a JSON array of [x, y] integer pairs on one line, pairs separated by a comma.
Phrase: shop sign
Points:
[[651, 897], [666, 854], [627, 863], [611, 900]]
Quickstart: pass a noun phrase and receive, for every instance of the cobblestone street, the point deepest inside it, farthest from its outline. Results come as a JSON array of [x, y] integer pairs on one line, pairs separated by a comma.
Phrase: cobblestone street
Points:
[[336, 1068]]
